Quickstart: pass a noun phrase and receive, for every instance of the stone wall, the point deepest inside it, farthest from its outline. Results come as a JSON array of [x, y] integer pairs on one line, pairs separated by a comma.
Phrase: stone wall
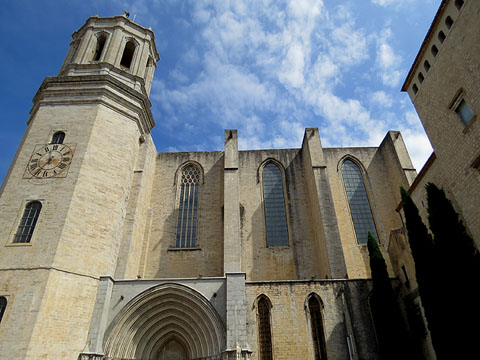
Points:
[[382, 177], [164, 260], [290, 321], [454, 74]]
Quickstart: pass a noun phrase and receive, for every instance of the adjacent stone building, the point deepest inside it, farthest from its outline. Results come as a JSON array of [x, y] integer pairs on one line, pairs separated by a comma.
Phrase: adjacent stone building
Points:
[[443, 84], [112, 250]]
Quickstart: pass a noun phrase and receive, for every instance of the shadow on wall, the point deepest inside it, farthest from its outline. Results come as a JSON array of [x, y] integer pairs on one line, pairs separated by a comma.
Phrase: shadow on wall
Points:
[[332, 342], [356, 294]]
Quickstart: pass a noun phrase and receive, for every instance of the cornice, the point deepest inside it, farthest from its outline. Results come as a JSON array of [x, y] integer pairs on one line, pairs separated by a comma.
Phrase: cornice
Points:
[[96, 89]]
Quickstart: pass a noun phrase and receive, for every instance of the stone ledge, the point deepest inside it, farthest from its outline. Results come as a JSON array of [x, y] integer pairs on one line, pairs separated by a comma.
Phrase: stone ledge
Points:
[[184, 249]]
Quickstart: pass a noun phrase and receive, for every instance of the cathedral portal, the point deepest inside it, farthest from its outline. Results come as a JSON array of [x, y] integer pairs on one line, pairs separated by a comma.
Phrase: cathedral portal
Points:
[[170, 321]]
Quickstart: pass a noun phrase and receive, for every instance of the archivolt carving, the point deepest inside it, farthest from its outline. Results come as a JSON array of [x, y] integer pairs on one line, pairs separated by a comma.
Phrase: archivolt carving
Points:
[[162, 314]]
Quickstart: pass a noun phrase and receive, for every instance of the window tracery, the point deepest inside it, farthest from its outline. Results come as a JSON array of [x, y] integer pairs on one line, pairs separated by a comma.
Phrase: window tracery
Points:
[[188, 207]]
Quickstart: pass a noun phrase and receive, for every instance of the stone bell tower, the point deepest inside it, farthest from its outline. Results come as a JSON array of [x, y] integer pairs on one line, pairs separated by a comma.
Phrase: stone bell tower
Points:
[[64, 201]]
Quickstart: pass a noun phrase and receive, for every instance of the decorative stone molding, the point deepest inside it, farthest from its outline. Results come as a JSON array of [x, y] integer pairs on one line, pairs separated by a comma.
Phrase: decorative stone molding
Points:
[[84, 356], [237, 354], [168, 312]]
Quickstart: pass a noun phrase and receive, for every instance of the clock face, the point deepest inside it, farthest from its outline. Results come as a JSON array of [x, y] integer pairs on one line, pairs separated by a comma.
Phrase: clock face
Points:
[[50, 160]]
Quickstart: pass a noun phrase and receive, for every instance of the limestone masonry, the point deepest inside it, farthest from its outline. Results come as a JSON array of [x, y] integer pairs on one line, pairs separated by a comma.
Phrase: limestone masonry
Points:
[[257, 254]]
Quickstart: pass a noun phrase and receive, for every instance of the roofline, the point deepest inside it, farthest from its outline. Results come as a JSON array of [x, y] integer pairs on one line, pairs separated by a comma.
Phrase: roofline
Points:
[[423, 47]]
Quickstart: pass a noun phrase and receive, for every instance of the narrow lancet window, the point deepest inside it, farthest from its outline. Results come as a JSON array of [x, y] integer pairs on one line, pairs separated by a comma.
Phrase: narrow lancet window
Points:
[[274, 201], [358, 201], [187, 209], [28, 222], [264, 329], [318, 333], [58, 137], [128, 52]]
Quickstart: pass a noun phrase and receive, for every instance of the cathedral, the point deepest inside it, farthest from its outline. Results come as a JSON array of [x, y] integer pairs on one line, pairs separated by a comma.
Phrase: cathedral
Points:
[[114, 251]]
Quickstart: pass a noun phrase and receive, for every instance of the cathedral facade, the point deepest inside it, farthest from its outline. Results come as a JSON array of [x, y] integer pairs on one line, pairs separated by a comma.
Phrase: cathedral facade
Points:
[[112, 250]]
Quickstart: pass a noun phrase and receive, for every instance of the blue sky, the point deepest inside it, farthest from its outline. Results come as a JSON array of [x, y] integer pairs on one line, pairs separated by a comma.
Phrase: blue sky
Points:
[[267, 68]]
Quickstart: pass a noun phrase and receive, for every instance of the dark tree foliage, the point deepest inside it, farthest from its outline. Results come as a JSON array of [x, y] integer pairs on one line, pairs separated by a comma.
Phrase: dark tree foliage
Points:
[[459, 270], [429, 281], [389, 324]]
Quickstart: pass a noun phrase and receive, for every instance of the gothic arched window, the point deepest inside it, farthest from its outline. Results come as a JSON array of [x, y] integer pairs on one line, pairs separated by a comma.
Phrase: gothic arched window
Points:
[[3, 305], [358, 201], [28, 222], [128, 52], [274, 203], [187, 208], [58, 137], [264, 329], [318, 333], [101, 39]]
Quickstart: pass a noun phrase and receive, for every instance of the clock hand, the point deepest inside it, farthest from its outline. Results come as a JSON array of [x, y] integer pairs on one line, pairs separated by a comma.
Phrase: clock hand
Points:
[[49, 158]]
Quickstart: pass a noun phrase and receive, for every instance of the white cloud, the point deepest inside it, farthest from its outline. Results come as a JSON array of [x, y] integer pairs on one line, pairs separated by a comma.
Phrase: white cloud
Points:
[[270, 69], [293, 65], [392, 3], [386, 56], [348, 44], [382, 99], [384, 2], [387, 60], [418, 146]]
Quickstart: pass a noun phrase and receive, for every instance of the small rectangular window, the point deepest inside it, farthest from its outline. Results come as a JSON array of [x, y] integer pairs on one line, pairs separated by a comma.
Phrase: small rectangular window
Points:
[[464, 112], [441, 36], [415, 88]]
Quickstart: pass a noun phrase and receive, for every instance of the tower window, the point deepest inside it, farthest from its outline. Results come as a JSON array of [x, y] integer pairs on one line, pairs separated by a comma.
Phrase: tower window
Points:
[[99, 48], [128, 52], [28, 222], [264, 329], [187, 209], [448, 22], [458, 4], [318, 333], [441, 36], [358, 201], [58, 137], [426, 65], [420, 77], [3, 306], [464, 112], [415, 88], [274, 202], [434, 50]]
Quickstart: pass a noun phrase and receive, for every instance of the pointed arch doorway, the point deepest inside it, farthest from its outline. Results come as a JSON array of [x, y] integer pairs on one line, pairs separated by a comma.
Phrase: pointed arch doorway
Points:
[[167, 322], [173, 350]]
